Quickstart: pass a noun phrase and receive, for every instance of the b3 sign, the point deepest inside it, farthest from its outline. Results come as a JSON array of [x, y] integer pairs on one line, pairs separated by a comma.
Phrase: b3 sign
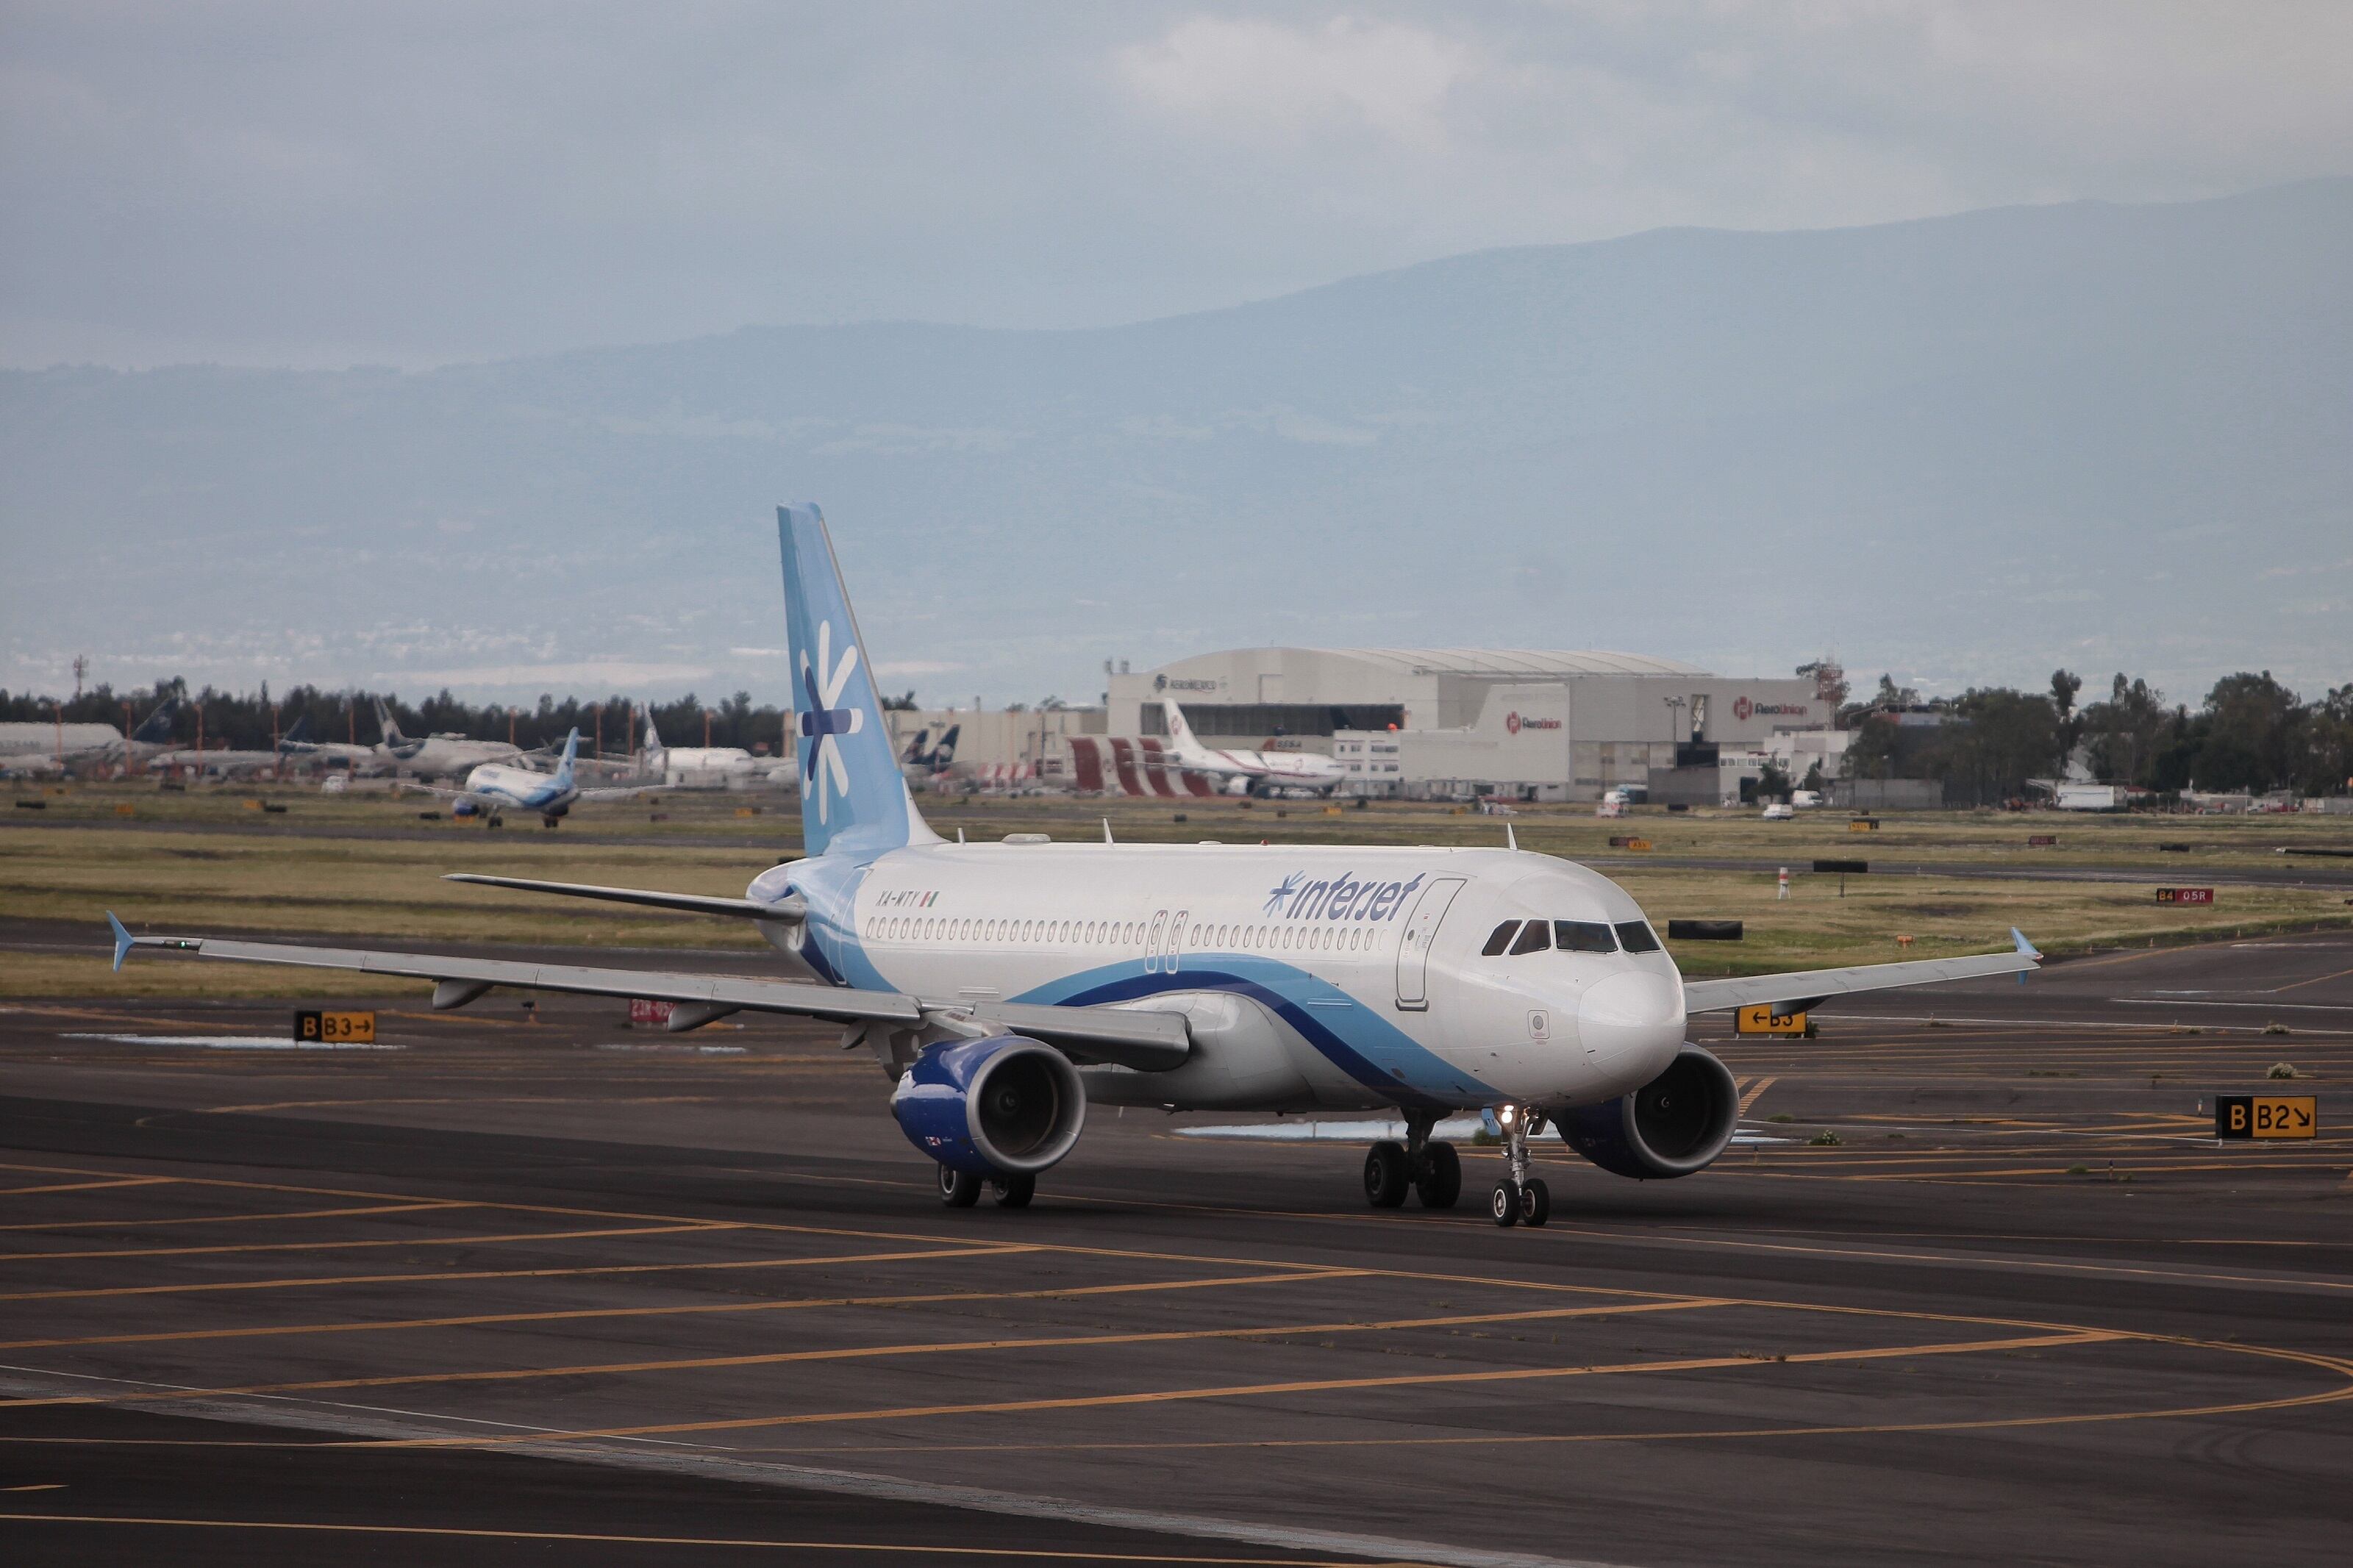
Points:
[[2266, 1116]]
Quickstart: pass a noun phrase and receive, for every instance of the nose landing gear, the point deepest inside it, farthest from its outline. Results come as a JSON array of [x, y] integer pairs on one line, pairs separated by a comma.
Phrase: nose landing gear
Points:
[[1429, 1169], [1519, 1198]]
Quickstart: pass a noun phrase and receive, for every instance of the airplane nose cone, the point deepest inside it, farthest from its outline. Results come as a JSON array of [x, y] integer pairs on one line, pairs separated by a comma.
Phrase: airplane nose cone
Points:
[[1632, 1018]]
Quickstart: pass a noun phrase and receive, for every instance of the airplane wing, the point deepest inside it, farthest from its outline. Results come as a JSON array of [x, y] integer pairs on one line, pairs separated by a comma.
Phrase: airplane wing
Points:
[[620, 791], [787, 908], [1148, 1041], [442, 792], [1803, 987]]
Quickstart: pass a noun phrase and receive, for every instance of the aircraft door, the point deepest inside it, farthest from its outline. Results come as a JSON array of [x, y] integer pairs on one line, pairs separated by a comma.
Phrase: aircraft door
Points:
[[1414, 944], [1152, 942], [1176, 943]]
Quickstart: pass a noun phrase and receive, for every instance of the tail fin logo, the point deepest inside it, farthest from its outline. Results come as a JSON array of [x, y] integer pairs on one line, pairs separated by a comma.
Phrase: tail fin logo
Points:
[[823, 718]]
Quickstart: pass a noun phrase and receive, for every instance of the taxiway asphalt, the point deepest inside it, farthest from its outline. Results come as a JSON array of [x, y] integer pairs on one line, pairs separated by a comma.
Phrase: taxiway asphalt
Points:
[[566, 1287]]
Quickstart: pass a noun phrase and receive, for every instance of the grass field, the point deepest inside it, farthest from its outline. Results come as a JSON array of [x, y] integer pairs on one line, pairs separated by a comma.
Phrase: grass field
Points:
[[366, 867]]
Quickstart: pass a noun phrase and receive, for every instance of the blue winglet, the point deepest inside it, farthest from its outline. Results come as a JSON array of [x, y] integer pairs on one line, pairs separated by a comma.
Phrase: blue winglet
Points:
[[123, 940], [2024, 947]]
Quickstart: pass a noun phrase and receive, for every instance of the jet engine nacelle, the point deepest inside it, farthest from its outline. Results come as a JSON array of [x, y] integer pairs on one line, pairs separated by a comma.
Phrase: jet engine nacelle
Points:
[[1673, 1126], [1004, 1106]]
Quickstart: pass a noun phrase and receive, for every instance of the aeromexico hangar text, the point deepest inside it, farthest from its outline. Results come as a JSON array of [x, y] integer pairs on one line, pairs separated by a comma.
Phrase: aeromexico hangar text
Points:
[[1002, 989]]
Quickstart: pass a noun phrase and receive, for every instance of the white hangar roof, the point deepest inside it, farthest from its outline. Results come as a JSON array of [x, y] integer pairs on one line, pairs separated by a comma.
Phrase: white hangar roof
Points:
[[1507, 663]]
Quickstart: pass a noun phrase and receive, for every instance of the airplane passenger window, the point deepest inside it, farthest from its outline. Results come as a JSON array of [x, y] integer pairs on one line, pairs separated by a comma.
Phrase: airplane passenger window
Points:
[[1535, 937], [1501, 937], [1583, 936], [1638, 936]]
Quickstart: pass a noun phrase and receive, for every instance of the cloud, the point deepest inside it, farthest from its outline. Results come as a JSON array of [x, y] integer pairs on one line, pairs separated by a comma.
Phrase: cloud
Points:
[[1241, 74], [414, 183]]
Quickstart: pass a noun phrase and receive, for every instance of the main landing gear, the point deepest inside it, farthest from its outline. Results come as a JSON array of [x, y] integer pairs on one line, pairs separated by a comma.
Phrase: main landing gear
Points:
[[961, 1189], [551, 821], [1432, 1170], [1519, 1198]]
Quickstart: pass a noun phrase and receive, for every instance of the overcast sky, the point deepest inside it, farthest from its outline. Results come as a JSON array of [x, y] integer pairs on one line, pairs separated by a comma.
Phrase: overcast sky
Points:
[[418, 182]]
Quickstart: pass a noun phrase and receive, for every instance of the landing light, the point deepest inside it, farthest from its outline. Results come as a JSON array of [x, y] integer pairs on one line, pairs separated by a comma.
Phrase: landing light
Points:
[[1507, 1114]]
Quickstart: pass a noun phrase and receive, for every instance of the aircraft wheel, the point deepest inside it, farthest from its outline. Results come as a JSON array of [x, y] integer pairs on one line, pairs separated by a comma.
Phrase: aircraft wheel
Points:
[[958, 1189], [1535, 1202], [1385, 1177], [1504, 1204], [551, 821], [494, 822], [1015, 1191], [1441, 1183]]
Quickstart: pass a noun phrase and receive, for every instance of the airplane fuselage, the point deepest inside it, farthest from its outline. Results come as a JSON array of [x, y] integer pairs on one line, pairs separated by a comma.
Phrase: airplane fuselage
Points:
[[500, 787], [445, 756], [1312, 978]]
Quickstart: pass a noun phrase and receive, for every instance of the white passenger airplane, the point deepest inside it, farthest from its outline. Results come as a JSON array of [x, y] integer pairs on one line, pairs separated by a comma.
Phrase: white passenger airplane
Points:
[[496, 787], [1253, 772], [1004, 987], [677, 764], [437, 756]]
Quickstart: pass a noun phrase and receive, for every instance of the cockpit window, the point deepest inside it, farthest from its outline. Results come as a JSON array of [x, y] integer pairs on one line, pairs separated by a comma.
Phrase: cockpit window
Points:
[[1638, 936], [1501, 938], [1534, 938], [1583, 936]]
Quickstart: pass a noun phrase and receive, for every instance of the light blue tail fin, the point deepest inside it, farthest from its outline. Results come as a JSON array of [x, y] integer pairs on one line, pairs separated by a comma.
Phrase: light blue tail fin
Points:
[[853, 798], [564, 765]]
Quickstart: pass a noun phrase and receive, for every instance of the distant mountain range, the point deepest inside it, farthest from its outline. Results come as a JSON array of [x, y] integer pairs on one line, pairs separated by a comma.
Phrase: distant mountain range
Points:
[[1966, 449]]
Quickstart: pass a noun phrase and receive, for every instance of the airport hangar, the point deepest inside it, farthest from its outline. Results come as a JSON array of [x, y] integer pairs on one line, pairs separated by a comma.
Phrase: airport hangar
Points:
[[1537, 725]]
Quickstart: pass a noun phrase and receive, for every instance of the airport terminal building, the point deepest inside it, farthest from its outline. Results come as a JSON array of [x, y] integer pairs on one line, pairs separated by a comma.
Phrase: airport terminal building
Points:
[[1538, 725]]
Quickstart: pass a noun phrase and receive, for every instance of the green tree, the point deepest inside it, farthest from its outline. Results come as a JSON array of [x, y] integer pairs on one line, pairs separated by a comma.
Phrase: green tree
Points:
[[2253, 734], [2126, 731], [1995, 741]]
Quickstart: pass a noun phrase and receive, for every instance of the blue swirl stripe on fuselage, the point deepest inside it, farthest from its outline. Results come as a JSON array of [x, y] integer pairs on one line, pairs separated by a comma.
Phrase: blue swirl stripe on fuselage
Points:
[[1351, 1035]]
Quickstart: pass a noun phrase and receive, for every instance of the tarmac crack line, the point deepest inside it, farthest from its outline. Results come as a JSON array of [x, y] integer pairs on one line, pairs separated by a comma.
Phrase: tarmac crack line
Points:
[[856, 1353], [593, 1538], [1261, 1389], [977, 1250], [699, 1309]]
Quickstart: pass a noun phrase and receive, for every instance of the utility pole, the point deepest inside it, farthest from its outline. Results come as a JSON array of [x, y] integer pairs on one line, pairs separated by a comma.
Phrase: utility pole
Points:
[[129, 755], [82, 667], [599, 711]]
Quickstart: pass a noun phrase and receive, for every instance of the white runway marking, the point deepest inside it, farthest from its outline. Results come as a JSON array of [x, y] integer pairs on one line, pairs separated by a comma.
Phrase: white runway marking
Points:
[[231, 1042]]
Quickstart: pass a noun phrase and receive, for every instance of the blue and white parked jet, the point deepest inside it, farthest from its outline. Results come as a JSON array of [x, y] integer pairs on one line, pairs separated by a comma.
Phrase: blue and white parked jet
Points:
[[1003, 988], [496, 788]]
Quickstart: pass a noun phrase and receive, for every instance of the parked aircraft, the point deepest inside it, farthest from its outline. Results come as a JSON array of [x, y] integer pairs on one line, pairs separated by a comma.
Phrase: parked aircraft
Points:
[[1254, 772], [685, 764], [924, 761], [37, 747], [438, 756], [497, 787], [297, 743], [1002, 988]]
